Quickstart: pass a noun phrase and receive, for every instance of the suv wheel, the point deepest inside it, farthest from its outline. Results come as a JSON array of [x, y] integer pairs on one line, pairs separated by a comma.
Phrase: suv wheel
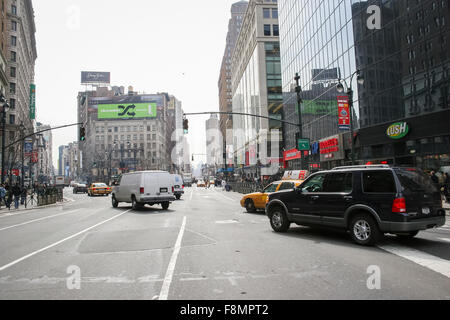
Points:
[[364, 230], [408, 235], [115, 203], [250, 206], [279, 220]]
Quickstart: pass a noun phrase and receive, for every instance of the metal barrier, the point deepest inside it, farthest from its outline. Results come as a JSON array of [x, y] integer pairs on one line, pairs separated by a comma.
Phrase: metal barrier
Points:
[[245, 187], [49, 196]]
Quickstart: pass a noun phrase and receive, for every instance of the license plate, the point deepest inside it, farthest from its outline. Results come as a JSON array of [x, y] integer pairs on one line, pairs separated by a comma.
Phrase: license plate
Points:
[[426, 210], [177, 187], [163, 190]]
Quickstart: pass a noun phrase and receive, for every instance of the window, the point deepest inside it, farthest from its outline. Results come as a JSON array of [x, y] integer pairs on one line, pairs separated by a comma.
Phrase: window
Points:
[[378, 182], [266, 13], [13, 72], [14, 26], [13, 41], [314, 184], [12, 119], [12, 103], [12, 88], [14, 10], [338, 183], [287, 186], [271, 188], [274, 13], [13, 56], [267, 30], [276, 30]]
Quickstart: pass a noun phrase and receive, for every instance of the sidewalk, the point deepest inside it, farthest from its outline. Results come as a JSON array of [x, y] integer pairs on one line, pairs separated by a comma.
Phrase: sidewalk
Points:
[[4, 210]]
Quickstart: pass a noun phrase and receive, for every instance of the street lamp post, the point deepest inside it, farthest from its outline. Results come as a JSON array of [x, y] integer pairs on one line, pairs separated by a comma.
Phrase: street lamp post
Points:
[[340, 88], [298, 90], [5, 106]]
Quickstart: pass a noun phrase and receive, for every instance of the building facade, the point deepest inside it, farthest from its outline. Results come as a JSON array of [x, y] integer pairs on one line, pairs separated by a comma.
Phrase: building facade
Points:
[[403, 55], [125, 132], [256, 83], [238, 10]]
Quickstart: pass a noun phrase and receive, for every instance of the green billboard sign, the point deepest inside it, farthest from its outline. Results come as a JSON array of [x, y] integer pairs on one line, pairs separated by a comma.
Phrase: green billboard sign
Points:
[[398, 130], [32, 101], [304, 145], [319, 107], [127, 111]]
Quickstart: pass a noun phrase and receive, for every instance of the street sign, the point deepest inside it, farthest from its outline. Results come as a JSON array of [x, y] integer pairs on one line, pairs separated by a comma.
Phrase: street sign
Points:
[[304, 145]]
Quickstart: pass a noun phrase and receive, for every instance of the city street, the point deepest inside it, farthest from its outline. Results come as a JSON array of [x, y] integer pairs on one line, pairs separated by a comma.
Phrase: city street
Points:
[[204, 247]]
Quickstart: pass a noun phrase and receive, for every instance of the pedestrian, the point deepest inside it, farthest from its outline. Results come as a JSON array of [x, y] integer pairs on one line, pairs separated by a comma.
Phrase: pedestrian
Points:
[[23, 195], [224, 184], [2, 195], [446, 186], [16, 191], [434, 177], [9, 196]]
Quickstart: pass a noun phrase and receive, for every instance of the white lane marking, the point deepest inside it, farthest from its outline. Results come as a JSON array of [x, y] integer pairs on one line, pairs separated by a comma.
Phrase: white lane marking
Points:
[[41, 219], [225, 196], [424, 259], [164, 294], [227, 222], [59, 242], [444, 239], [192, 193]]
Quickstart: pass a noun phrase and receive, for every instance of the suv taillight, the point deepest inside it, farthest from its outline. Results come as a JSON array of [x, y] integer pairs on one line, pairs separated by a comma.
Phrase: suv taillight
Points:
[[183, 186], [142, 190], [399, 205]]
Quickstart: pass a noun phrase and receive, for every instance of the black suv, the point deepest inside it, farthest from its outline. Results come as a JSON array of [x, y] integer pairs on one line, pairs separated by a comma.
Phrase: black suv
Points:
[[368, 201]]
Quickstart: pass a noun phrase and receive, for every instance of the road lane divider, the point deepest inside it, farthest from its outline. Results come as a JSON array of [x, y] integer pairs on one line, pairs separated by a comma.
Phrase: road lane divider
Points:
[[225, 196], [61, 241], [423, 259], [40, 219], [164, 294]]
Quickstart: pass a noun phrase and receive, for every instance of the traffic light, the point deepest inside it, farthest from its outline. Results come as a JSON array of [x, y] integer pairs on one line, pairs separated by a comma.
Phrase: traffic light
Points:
[[186, 126], [82, 134]]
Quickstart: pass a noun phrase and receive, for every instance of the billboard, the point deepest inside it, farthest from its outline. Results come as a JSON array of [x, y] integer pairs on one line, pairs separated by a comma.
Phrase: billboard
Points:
[[95, 77], [319, 107], [127, 111], [32, 101], [325, 74], [344, 113]]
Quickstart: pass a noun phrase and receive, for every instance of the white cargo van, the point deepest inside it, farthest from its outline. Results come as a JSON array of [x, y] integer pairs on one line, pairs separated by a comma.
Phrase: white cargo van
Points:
[[178, 186], [146, 187]]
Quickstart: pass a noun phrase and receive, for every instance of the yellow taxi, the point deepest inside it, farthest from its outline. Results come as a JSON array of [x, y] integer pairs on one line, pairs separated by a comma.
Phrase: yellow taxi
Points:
[[257, 201], [201, 184], [99, 189]]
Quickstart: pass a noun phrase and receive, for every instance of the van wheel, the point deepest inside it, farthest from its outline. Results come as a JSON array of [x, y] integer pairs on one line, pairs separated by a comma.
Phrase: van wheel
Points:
[[134, 204], [165, 205], [115, 203], [408, 235], [250, 206], [364, 230], [279, 220]]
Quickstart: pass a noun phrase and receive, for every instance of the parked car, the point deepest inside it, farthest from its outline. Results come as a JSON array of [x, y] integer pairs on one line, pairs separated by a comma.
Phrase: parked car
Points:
[[142, 188], [178, 186], [98, 189], [257, 201], [367, 201], [80, 188]]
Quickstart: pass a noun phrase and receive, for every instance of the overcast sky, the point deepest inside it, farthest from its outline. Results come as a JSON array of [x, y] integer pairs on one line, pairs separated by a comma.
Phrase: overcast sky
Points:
[[148, 44]]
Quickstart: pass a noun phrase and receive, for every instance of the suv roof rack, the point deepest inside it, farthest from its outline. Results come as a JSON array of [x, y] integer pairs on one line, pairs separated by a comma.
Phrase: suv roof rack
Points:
[[373, 166]]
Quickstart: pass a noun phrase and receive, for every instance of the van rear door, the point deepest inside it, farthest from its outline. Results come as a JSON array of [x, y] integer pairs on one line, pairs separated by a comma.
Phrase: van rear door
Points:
[[421, 195]]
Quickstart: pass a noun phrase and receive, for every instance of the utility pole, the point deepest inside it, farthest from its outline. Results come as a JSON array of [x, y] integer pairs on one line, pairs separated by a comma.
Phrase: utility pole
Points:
[[298, 90], [3, 117], [22, 129]]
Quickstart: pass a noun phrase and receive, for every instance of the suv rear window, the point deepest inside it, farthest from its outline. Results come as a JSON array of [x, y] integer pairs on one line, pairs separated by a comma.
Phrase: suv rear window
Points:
[[378, 182], [415, 180]]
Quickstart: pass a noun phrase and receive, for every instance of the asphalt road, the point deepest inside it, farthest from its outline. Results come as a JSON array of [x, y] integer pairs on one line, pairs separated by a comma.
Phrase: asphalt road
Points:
[[205, 247]]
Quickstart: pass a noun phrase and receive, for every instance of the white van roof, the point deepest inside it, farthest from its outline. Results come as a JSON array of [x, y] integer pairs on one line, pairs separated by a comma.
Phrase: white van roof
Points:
[[139, 172]]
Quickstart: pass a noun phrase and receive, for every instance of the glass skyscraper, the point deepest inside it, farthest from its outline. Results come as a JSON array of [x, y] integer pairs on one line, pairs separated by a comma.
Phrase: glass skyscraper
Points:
[[402, 50]]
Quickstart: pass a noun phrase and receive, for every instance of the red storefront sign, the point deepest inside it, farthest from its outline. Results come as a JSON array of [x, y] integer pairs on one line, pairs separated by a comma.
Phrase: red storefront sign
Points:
[[15, 172], [344, 113], [292, 155], [34, 157], [329, 146]]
